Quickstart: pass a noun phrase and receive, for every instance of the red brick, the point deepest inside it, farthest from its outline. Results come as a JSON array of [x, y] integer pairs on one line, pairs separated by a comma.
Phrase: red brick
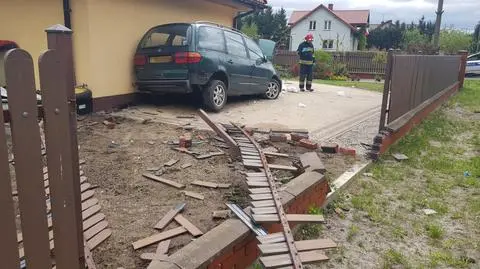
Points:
[[330, 148], [306, 143], [298, 136], [278, 138], [347, 151], [185, 141]]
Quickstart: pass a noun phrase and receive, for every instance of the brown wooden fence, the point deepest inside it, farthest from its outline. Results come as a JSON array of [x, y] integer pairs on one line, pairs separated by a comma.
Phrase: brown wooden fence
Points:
[[356, 61], [29, 240]]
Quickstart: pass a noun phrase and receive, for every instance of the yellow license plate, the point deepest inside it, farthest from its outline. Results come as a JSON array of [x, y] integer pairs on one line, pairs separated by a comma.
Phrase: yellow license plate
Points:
[[160, 59]]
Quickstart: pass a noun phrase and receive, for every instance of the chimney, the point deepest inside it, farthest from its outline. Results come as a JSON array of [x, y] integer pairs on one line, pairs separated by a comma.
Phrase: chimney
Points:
[[330, 6]]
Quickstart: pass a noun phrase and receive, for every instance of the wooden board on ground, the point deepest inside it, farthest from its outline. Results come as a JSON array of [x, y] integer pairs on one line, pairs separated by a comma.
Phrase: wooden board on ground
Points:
[[252, 165], [194, 195], [158, 237], [90, 212], [163, 247], [97, 228], [220, 131], [153, 257], [259, 190], [192, 229], [276, 261], [264, 210], [93, 220], [87, 195], [276, 154], [266, 203], [257, 178], [257, 183], [277, 248], [282, 167], [164, 181], [272, 238], [263, 196], [99, 238], [251, 154], [171, 162], [169, 216], [292, 218], [205, 184], [224, 185]]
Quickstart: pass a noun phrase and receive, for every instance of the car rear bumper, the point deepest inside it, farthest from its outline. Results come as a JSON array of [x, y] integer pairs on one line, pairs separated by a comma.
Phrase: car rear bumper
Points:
[[164, 86]]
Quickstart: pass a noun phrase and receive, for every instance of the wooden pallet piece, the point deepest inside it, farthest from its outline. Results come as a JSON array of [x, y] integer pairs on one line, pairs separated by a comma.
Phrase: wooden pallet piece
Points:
[[264, 210], [266, 203], [192, 229], [169, 217], [158, 237], [256, 174], [271, 238], [259, 190], [257, 183], [97, 228], [257, 179], [153, 257], [171, 162], [90, 222], [194, 195], [292, 218], [163, 247], [275, 154], [259, 197], [87, 195], [99, 238], [206, 184], [252, 165], [91, 211], [276, 261], [251, 154], [224, 185], [283, 167], [305, 245], [164, 181], [220, 131]]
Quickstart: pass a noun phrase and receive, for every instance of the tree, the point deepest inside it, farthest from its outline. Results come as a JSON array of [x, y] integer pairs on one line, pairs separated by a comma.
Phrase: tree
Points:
[[250, 30], [270, 25], [362, 41], [281, 31], [451, 41]]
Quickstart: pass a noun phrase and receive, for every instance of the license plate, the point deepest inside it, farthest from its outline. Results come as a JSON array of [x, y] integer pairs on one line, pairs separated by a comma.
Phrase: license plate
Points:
[[160, 59]]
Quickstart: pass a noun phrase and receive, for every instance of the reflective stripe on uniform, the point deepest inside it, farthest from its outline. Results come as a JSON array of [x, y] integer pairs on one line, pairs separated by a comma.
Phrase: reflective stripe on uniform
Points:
[[305, 62]]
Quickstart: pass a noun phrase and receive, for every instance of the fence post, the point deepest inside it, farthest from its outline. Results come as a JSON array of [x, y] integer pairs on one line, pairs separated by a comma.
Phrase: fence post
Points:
[[386, 89], [463, 65], [59, 38]]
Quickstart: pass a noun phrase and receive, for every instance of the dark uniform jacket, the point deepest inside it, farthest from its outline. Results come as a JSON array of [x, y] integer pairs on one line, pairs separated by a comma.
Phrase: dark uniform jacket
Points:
[[306, 52]]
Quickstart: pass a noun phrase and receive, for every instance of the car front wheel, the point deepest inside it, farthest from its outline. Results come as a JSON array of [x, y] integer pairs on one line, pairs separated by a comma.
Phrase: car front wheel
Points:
[[215, 95], [273, 90]]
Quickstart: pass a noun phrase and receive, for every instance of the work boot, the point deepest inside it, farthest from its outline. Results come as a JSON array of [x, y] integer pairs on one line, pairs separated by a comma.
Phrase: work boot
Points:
[[310, 90]]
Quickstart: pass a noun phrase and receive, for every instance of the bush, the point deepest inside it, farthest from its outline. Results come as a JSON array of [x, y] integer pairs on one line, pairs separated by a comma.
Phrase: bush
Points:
[[380, 58], [322, 71], [323, 57], [339, 78], [340, 69]]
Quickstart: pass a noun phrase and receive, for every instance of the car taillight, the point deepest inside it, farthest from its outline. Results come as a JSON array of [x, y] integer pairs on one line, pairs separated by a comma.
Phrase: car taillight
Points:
[[140, 60], [187, 57]]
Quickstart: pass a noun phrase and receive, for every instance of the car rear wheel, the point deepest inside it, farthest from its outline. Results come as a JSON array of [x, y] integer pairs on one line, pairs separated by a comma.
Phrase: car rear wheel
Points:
[[273, 90], [215, 95]]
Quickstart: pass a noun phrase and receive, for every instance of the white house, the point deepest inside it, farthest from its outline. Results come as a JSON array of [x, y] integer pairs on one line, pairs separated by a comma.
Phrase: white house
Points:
[[335, 30]]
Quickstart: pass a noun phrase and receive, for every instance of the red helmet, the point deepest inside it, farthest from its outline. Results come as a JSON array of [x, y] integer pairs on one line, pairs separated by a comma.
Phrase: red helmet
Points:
[[309, 37]]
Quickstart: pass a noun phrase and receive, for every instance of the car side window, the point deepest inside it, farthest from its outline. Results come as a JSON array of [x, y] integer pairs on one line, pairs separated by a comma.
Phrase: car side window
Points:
[[235, 44], [255, 51], [211, 38]]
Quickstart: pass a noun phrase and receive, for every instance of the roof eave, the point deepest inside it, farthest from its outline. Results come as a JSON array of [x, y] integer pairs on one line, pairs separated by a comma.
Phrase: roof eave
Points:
[[252, 3]]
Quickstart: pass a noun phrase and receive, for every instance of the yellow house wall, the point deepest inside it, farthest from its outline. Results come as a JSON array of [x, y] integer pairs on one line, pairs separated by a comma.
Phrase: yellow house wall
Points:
[[106, 33], [25, 21]]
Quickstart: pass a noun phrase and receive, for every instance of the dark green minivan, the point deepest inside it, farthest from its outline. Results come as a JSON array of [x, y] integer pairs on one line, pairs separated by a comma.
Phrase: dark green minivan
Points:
[[204, 57]]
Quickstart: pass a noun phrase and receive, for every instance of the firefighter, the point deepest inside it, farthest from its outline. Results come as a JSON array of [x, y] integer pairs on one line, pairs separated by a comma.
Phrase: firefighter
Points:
[[307, 58]]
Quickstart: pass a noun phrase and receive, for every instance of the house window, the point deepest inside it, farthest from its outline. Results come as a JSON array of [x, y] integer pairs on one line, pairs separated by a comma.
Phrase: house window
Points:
[[328, 25], [313, 25], [327, 44]]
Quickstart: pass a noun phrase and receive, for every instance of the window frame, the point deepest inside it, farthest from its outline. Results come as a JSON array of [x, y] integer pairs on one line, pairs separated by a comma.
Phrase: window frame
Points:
[[328, 42], [327, 25], [262, 56], [224, 50], [312, 26], [243, 42]]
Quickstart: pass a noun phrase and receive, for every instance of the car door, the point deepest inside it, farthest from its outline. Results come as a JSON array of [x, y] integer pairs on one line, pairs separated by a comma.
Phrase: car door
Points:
[[238, 64], [261, 68], [473, 64]]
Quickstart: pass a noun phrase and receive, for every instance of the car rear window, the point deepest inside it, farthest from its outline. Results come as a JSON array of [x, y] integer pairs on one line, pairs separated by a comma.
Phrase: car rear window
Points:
[[168, 35], [211, 38]]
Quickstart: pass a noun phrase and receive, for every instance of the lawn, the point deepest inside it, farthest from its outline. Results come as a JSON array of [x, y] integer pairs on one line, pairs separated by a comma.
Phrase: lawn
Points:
[[372, 86], [380, 222]]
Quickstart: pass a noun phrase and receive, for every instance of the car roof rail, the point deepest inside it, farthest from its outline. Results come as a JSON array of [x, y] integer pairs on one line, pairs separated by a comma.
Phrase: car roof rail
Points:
[[219, 25]]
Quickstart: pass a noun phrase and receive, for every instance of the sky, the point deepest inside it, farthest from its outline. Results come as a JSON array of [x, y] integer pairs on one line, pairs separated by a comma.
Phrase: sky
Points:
[[459, 14]]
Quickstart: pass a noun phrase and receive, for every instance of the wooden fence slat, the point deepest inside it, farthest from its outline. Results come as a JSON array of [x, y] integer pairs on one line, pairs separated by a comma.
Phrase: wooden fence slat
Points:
[[28, 160], [8, 246], [60, 162]]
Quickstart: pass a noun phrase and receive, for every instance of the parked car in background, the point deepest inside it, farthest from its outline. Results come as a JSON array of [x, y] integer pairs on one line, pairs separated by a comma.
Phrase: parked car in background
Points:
[[473, 64], [207, 58]]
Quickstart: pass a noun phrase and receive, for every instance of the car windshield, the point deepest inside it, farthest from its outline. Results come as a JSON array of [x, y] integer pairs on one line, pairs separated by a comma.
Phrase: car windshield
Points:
[[175, 35]]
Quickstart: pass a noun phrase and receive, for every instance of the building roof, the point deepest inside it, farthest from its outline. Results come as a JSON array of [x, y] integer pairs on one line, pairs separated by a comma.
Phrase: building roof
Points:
[[352, 17], [256, 3]]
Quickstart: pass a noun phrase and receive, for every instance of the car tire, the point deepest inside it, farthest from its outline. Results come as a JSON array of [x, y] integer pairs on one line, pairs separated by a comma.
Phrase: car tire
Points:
[[273, 90], [215, 95]]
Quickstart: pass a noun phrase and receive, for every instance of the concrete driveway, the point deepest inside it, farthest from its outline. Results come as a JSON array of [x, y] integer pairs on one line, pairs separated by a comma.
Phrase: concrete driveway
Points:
[[326, 112]]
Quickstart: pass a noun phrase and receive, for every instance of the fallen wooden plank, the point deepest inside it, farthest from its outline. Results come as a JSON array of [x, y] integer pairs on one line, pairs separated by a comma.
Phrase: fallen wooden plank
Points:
[[164, 181], [99, 238], [205, 184], [252, 183], [224, 185], [96, 229], [264, 210], [277, 248], [305, 218], [91, 211], [194, 195], [192, 229], [86, 195], [221, 132], [256, 154], [266, 203], [286, 130], [276, 261], [271, 238], [265, 218], [163, 247], [276, 154], [282, 167], [171, 162], [257, 178], [186, 165], [90, 222], [263, 196], [158, 237], [169, 216], [256, 174], [153, 257], [253, 165], [259, 190]]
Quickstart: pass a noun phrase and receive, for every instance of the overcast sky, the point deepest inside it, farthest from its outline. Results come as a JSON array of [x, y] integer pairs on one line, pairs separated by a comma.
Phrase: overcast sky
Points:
[[461, 14]]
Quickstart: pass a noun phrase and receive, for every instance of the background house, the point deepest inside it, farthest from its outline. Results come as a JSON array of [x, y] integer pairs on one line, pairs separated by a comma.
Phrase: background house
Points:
[[106, 33], [332, 29]]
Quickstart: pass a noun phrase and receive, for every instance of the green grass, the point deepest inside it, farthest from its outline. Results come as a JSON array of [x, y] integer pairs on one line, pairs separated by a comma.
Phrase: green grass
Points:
[[392, 258], [434, 231], [371, 86], [470, 96]]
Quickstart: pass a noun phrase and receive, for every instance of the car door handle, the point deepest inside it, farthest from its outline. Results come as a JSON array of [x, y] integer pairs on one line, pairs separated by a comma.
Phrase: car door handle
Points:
[[230, 61]]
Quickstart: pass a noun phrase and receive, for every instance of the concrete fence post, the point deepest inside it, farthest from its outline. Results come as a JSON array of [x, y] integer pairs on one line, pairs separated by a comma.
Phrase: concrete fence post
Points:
[[463, 65]]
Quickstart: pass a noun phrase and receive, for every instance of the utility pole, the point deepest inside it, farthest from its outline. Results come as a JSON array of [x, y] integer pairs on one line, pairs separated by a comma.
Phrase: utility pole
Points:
[[438, 22]]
